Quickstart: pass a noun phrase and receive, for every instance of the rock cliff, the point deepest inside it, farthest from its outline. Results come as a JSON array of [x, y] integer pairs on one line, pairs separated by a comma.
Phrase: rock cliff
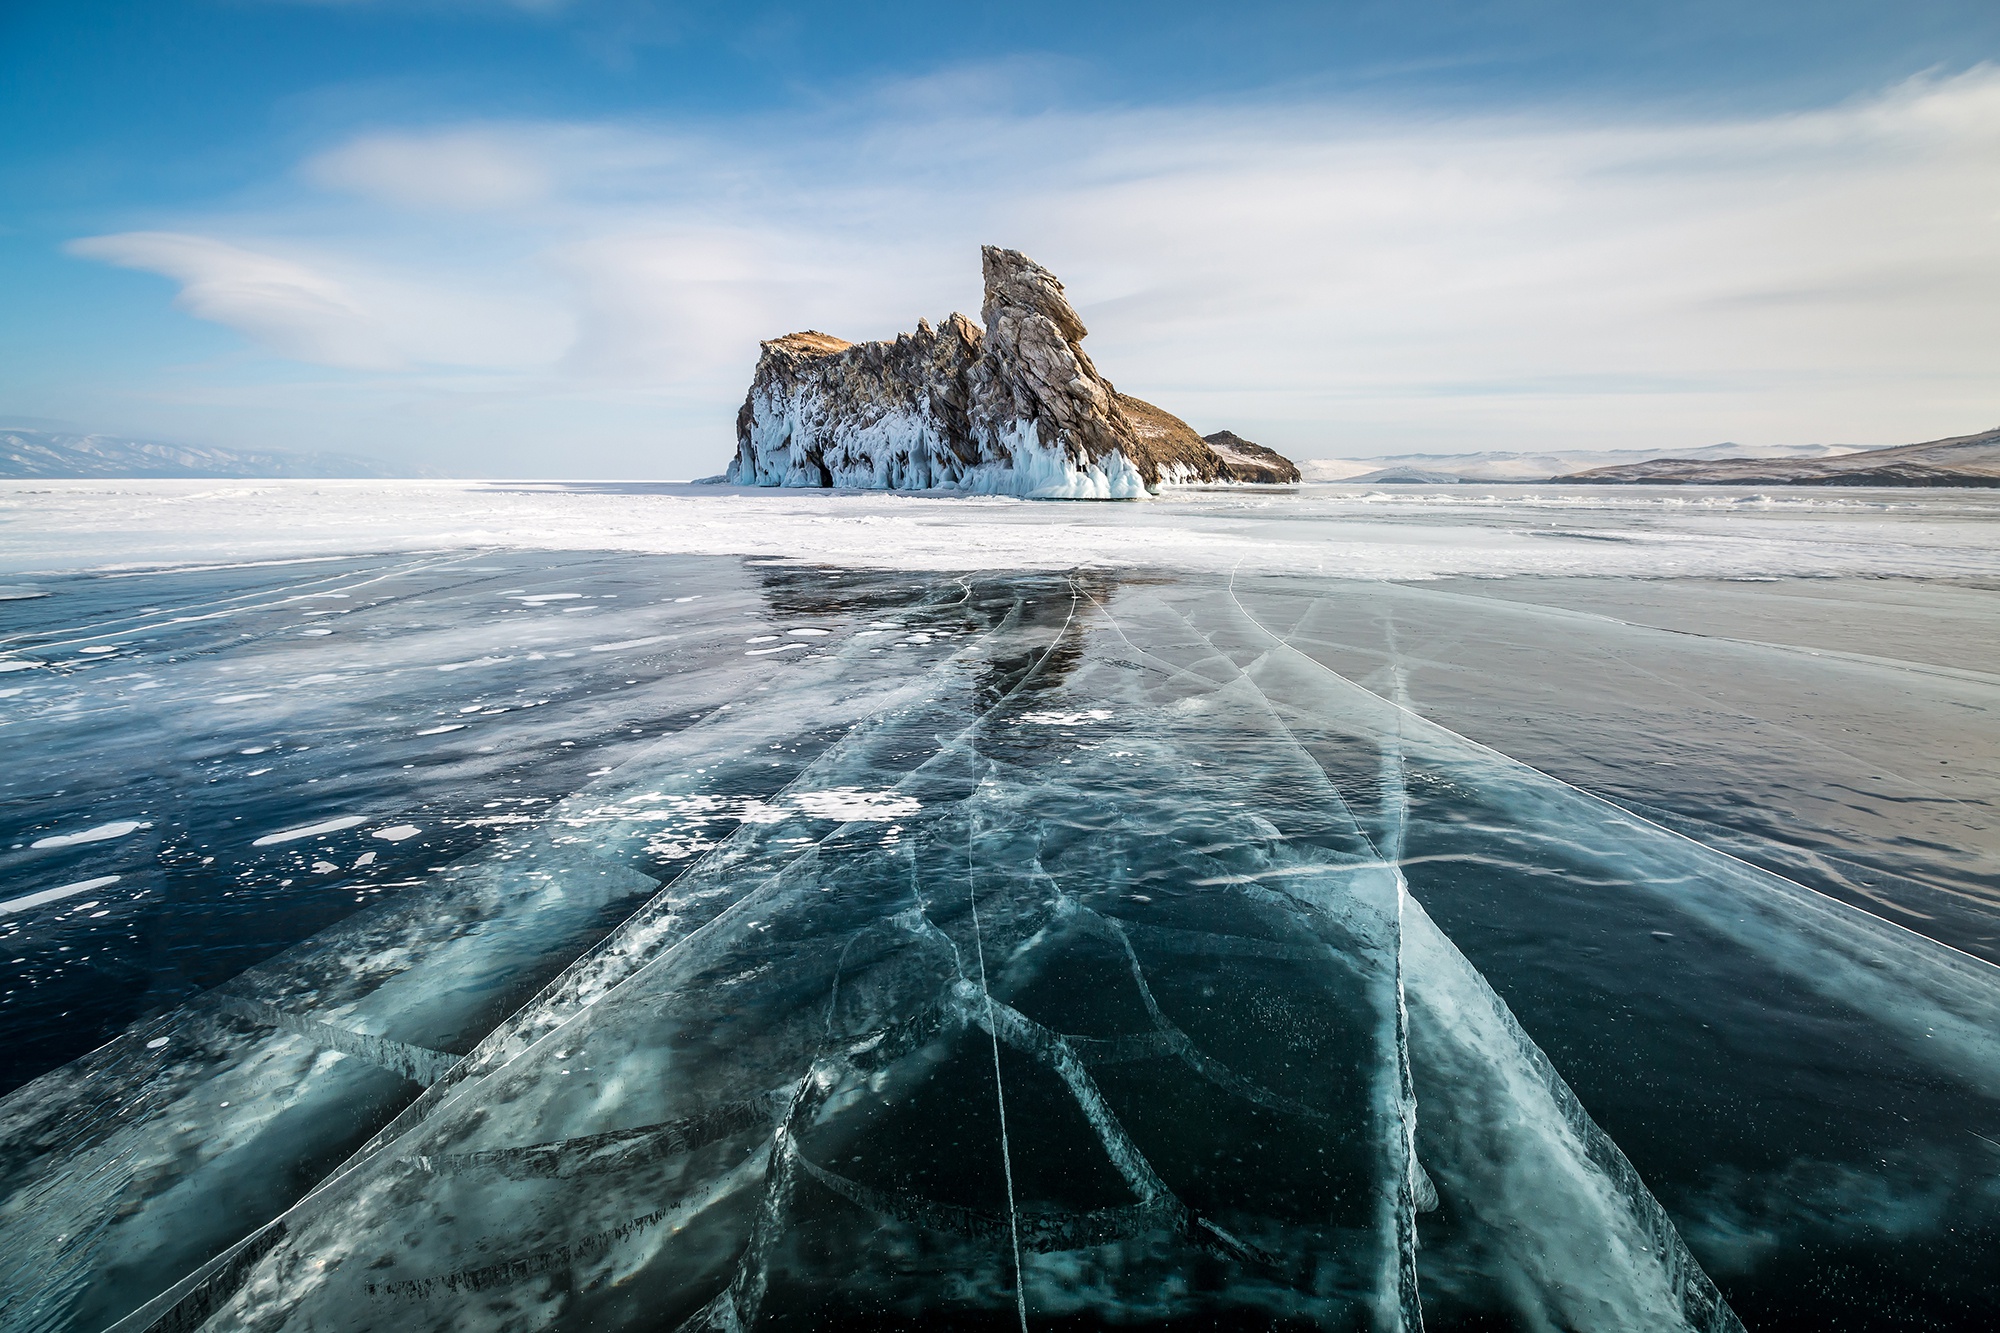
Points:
[[1015, 408]]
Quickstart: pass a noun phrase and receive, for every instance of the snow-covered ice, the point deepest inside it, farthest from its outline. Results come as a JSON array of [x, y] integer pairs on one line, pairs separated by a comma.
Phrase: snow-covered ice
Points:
[[1334, 531]]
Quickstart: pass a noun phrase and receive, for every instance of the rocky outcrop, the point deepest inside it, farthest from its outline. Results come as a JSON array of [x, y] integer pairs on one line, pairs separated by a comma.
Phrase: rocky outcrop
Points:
[[1962, 460], [1248, 461], [1014, 408]]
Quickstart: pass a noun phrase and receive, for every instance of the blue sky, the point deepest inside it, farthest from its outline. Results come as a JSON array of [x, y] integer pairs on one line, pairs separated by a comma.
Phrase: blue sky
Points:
[[542, 238]]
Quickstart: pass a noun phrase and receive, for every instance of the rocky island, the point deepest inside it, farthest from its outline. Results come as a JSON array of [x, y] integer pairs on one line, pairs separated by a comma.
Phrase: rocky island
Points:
[[1013, 408]]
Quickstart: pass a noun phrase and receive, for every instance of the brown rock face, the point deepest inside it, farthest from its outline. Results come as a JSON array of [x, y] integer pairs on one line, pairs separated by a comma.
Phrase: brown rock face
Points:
[[1247, 461], [1017, 408]]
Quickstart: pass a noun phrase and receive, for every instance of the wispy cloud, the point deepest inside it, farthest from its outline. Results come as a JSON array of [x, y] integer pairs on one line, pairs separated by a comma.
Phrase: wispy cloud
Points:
[[290, 308], [350, 316], [1329, 278], [465, 169]]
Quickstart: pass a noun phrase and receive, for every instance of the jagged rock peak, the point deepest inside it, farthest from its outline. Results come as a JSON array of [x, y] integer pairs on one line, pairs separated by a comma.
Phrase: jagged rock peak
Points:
[[1017, 284], [1014, 408]]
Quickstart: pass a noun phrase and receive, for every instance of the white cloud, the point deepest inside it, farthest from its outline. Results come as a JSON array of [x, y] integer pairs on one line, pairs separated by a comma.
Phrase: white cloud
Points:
[[289, 307], [1329, 280], [341, 315], [468, 169]]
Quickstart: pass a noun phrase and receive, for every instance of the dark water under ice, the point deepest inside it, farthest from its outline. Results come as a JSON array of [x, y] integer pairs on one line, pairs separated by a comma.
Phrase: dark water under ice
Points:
[[604, 941]]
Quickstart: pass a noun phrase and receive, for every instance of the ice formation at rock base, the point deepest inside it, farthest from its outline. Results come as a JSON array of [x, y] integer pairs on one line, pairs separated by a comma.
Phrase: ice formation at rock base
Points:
[[1014, 409]]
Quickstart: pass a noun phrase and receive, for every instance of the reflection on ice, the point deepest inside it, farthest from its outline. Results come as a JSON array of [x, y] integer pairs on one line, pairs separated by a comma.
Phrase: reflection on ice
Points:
[[1117, 958]]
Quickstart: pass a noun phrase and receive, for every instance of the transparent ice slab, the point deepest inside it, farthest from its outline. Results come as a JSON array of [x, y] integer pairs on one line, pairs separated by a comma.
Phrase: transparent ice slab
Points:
[[1844, 733], [439, 702], [1534, 1215], [1134, 966], [1805, 1085], [1095, 1029], [190, 1132]]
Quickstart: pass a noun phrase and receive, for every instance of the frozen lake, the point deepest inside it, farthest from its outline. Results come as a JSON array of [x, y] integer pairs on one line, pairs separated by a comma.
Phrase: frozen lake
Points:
[[459, 905]]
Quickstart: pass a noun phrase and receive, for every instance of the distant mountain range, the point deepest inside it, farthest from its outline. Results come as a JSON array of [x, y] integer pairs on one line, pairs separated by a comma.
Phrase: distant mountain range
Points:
[[1431, 469], [55, 455], [1962, 460]]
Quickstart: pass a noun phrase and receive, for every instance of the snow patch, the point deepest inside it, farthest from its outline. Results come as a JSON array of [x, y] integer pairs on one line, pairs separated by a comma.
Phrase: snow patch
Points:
[[102, 833], [631, 643], [310, 830], [52, 895], [850, 805]]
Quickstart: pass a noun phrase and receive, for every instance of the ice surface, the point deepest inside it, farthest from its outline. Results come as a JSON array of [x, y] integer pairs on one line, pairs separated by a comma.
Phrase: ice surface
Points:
[[1108, 948], [395, 993], [1337, 532], [859, 975], [1681, 989], [1762, 727]]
